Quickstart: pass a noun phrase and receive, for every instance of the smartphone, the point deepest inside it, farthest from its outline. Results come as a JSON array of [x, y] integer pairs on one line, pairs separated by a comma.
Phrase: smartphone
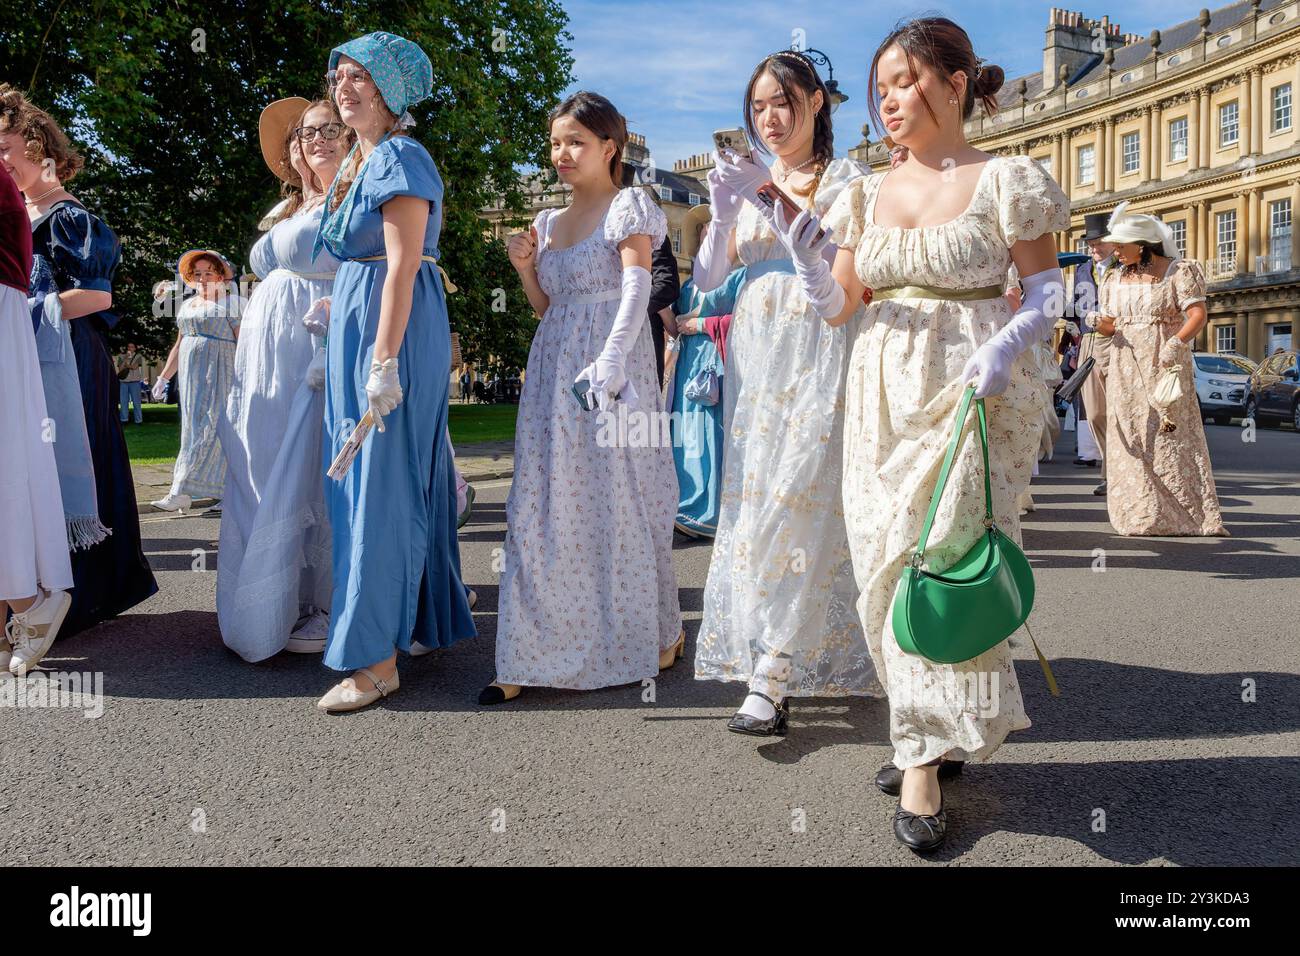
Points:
[[732, 139], [586, 398], [771, 194]]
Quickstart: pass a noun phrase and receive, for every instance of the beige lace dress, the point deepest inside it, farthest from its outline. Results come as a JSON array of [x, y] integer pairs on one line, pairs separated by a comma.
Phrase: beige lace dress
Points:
[[1158, 483]]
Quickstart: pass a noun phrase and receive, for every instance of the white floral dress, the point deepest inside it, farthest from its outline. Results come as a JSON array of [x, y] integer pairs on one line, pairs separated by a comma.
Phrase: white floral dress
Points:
[[904, 385], [780, 597], [588, 590]]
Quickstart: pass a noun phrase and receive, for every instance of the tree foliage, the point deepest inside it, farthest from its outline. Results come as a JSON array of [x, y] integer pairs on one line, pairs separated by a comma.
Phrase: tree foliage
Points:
[[164, 97]]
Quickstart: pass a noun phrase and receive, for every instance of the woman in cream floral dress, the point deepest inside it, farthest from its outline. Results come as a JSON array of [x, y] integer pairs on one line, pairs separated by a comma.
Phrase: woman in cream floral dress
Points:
[[779, 599], [1158, 482], [938, 321]]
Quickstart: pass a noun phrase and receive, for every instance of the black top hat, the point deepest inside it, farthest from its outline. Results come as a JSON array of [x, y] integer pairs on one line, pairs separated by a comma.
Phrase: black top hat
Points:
[[1095, 225]]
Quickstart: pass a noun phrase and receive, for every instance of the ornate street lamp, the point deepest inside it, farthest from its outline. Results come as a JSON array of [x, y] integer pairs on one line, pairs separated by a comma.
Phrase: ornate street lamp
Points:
[[832, 87]]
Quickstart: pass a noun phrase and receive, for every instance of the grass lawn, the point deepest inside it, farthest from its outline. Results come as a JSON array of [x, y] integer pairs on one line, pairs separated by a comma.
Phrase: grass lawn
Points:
[[472, 423], [157, 441]]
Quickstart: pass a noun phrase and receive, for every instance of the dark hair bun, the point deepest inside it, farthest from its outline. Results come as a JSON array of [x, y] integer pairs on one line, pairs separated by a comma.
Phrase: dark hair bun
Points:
[[990, 80]]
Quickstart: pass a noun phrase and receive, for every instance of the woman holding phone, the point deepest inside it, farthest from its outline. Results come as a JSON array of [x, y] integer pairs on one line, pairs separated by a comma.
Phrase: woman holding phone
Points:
[[934, 238], [780, 597], [396, 561], [588, 590]]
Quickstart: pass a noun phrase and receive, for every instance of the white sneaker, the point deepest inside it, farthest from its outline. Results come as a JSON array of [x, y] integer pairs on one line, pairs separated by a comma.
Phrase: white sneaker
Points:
[[419, 650], [6, 651], [173, 503], [312, 637], [32, 632]]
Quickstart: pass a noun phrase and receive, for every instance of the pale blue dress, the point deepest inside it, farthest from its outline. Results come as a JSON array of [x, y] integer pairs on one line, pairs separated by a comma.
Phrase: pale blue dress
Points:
[[207, 362], [274, 546], [396, 558]]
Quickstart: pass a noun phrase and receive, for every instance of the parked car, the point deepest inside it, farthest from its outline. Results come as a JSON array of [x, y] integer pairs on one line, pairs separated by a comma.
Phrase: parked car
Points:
[[1274, 392], [1221, 382]]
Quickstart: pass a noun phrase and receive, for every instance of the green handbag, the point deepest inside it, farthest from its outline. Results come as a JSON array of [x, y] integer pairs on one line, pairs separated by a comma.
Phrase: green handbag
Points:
[[978, 602]]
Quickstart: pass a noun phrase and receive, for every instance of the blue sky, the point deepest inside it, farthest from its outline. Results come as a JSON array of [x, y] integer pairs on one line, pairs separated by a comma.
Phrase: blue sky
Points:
[[677, 70]]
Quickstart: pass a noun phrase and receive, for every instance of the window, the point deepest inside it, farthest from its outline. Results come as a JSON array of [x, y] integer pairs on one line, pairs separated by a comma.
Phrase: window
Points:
[[1279, 235], [1081, 246], [1178, 140], [1226, 246], [1225, 338], [1228, 129], [677, 241], [1281, 107], [1131, 151], [695, 200], [1046, 163], [665, 194], [1179, 229], [1087, 165]]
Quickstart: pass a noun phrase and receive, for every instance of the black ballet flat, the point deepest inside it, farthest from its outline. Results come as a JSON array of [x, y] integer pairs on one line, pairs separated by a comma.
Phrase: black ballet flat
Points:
[[889, 779], [775, 726], [921, 832]]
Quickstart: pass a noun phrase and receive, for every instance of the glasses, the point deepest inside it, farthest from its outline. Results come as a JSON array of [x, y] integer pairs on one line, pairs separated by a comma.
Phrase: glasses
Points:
[[327, 131], [345, 75]]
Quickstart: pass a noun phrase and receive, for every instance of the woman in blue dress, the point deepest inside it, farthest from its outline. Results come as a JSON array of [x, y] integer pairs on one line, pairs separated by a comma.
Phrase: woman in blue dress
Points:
[[273, 581], [697, 428], [396, 559]]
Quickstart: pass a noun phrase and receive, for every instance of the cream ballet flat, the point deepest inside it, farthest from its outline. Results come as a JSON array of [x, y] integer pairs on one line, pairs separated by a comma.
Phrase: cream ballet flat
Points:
[[419, 650], [672, 655], [345, 696]]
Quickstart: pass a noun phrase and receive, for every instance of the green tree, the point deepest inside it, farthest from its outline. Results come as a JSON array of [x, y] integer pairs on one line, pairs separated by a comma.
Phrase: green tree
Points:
[[164, 98]]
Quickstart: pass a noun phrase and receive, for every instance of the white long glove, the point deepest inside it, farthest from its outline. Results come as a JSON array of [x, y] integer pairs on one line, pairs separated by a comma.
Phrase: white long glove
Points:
[[608, 374], [316, 371], [731, 181], [317, 319], [383, 389], [159, 390], [990, 367], [824, 294]]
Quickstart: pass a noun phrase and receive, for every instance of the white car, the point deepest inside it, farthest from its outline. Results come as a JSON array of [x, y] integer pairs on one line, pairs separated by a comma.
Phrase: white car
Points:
[[1222, 379]]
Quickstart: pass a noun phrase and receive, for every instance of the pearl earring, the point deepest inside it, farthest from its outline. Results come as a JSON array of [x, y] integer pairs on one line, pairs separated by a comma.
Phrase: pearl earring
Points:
[[952, 100]]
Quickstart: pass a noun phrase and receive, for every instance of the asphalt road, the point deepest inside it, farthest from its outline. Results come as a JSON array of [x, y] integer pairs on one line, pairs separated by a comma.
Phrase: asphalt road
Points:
[[1150, 756]]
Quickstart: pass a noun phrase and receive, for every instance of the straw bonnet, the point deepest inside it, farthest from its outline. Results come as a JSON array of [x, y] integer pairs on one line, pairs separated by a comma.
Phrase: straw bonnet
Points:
[[272, 128], [186, 265], [1138, 227]]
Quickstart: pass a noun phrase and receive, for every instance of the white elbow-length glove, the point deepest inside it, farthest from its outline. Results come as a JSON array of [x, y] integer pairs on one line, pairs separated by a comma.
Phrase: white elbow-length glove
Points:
[[608, 374], [824, 294], [731, 181], [383, 389], [989, 369]]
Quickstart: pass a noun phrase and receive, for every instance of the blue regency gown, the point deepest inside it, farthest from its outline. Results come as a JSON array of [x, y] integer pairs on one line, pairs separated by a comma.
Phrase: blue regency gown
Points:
[[697, 433], [396, 558]]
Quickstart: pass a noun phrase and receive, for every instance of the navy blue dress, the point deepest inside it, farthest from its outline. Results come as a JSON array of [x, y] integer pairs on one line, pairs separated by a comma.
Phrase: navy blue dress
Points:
[[396, 556], [112, 576]]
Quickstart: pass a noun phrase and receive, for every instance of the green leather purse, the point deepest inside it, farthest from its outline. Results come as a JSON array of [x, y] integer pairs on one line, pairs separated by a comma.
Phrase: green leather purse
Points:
[[978, 602]]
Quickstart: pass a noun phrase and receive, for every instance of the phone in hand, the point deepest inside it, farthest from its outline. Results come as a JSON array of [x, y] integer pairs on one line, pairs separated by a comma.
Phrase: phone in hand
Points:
[[586, 397], [733, 139], [770, 193]]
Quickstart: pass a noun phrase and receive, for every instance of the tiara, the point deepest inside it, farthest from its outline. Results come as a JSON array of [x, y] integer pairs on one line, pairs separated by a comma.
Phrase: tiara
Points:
[[796, 54]]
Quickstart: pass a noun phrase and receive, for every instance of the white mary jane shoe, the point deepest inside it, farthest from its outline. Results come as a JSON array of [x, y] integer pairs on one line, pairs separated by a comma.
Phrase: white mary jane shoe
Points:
[[173, 503], [345, 696], [419, 650]]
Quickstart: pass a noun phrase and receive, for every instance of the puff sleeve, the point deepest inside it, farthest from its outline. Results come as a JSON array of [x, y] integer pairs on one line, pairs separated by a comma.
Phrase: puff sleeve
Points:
[[1030, 203], [1189, 284], [846, 219], [634, 213], [84, 251], [401, 166]]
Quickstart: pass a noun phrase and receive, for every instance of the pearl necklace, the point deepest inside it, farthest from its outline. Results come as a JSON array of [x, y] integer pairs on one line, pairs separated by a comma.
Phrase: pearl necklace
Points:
[[787, 170]]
